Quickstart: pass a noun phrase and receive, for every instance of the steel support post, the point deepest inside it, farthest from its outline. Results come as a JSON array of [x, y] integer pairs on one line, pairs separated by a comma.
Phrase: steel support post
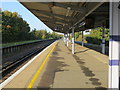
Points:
[[82, 38], [73, 43], [103, 40], [114, 46], [64, 38], [67, 40], [69, 36]]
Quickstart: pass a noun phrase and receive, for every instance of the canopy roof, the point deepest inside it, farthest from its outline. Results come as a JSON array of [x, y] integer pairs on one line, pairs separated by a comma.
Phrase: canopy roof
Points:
[[62, 16]]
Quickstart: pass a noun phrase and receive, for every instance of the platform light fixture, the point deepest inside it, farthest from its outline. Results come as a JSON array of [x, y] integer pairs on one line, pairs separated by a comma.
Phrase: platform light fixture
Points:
[[81, 24], [119, 5]]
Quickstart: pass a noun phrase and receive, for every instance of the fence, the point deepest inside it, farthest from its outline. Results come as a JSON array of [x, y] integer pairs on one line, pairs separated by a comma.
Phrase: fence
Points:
[[97, 48]]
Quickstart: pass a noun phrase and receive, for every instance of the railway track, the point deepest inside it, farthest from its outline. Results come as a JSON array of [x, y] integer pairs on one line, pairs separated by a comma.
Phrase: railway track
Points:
[[8, 70]]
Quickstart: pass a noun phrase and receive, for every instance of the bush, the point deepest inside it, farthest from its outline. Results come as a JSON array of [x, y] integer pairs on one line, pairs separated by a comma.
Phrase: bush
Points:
[[95, 36], [93, 40]]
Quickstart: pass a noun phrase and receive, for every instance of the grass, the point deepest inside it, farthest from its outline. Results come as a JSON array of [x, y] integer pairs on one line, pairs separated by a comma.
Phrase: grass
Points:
[[80, 39], [17, 43]]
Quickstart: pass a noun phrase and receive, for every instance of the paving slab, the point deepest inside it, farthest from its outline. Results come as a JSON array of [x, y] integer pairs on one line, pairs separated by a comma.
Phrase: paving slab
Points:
[[82, 70], [85, 69], [23, 79]]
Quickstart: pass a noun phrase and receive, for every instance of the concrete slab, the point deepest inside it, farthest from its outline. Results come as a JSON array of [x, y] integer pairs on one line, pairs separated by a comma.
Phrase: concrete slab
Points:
[[71, 79], [81, 70], [23, 79], [86, 69]]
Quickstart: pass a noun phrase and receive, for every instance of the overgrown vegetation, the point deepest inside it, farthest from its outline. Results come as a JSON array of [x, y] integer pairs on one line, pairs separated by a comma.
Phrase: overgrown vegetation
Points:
[[15, 29], [95, 36]]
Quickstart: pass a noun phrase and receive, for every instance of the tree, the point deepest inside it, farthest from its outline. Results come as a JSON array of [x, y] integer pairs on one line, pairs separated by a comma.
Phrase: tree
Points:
[[77, 34], [14, 28], [95, 36]]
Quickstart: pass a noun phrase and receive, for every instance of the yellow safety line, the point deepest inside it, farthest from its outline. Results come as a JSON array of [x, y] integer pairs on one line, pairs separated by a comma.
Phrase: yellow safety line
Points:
[[39, 70], [100, 59]]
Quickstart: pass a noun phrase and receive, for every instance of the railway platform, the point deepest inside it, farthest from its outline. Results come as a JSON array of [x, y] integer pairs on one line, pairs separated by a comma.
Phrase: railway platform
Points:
[[57, 67]]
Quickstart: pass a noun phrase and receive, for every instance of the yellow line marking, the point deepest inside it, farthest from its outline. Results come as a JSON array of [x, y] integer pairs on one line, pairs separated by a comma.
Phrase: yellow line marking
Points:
[[39, 70], [99, 59]]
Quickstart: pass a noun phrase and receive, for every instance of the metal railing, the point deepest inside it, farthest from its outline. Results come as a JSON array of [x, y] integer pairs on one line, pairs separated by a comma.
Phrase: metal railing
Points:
[[95, 47]]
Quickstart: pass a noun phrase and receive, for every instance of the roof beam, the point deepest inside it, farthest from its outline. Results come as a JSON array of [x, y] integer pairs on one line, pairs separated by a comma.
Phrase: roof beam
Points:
[[57, 25], [50, 21], [55, 19], [90, 8], [49, 14], [100, 13], [53, 24], [72, 7]]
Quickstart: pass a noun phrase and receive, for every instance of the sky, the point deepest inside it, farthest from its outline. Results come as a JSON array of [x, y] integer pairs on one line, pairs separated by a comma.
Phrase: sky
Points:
[[32, 20]]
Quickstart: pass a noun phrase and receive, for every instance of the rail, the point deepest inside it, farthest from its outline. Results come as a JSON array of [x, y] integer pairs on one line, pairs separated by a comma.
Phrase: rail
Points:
[[16, 62]]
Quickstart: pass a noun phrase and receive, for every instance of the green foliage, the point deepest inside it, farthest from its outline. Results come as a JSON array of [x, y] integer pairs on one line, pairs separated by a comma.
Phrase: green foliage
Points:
[[0, 26], [17, 43], [55, 35], [93, 40], [77, 34], [15, 29], [95, 36], [43, 34]]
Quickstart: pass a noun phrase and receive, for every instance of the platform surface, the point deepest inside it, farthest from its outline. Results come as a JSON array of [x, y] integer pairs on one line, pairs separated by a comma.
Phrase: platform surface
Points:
[[85, 69]]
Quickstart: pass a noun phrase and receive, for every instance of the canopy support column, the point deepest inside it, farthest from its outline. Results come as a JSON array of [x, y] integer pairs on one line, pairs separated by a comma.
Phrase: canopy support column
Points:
[[69, 37], [67, 40], [103, 40], [73, 43], [82, 38], [114, 46], [64, 38]]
